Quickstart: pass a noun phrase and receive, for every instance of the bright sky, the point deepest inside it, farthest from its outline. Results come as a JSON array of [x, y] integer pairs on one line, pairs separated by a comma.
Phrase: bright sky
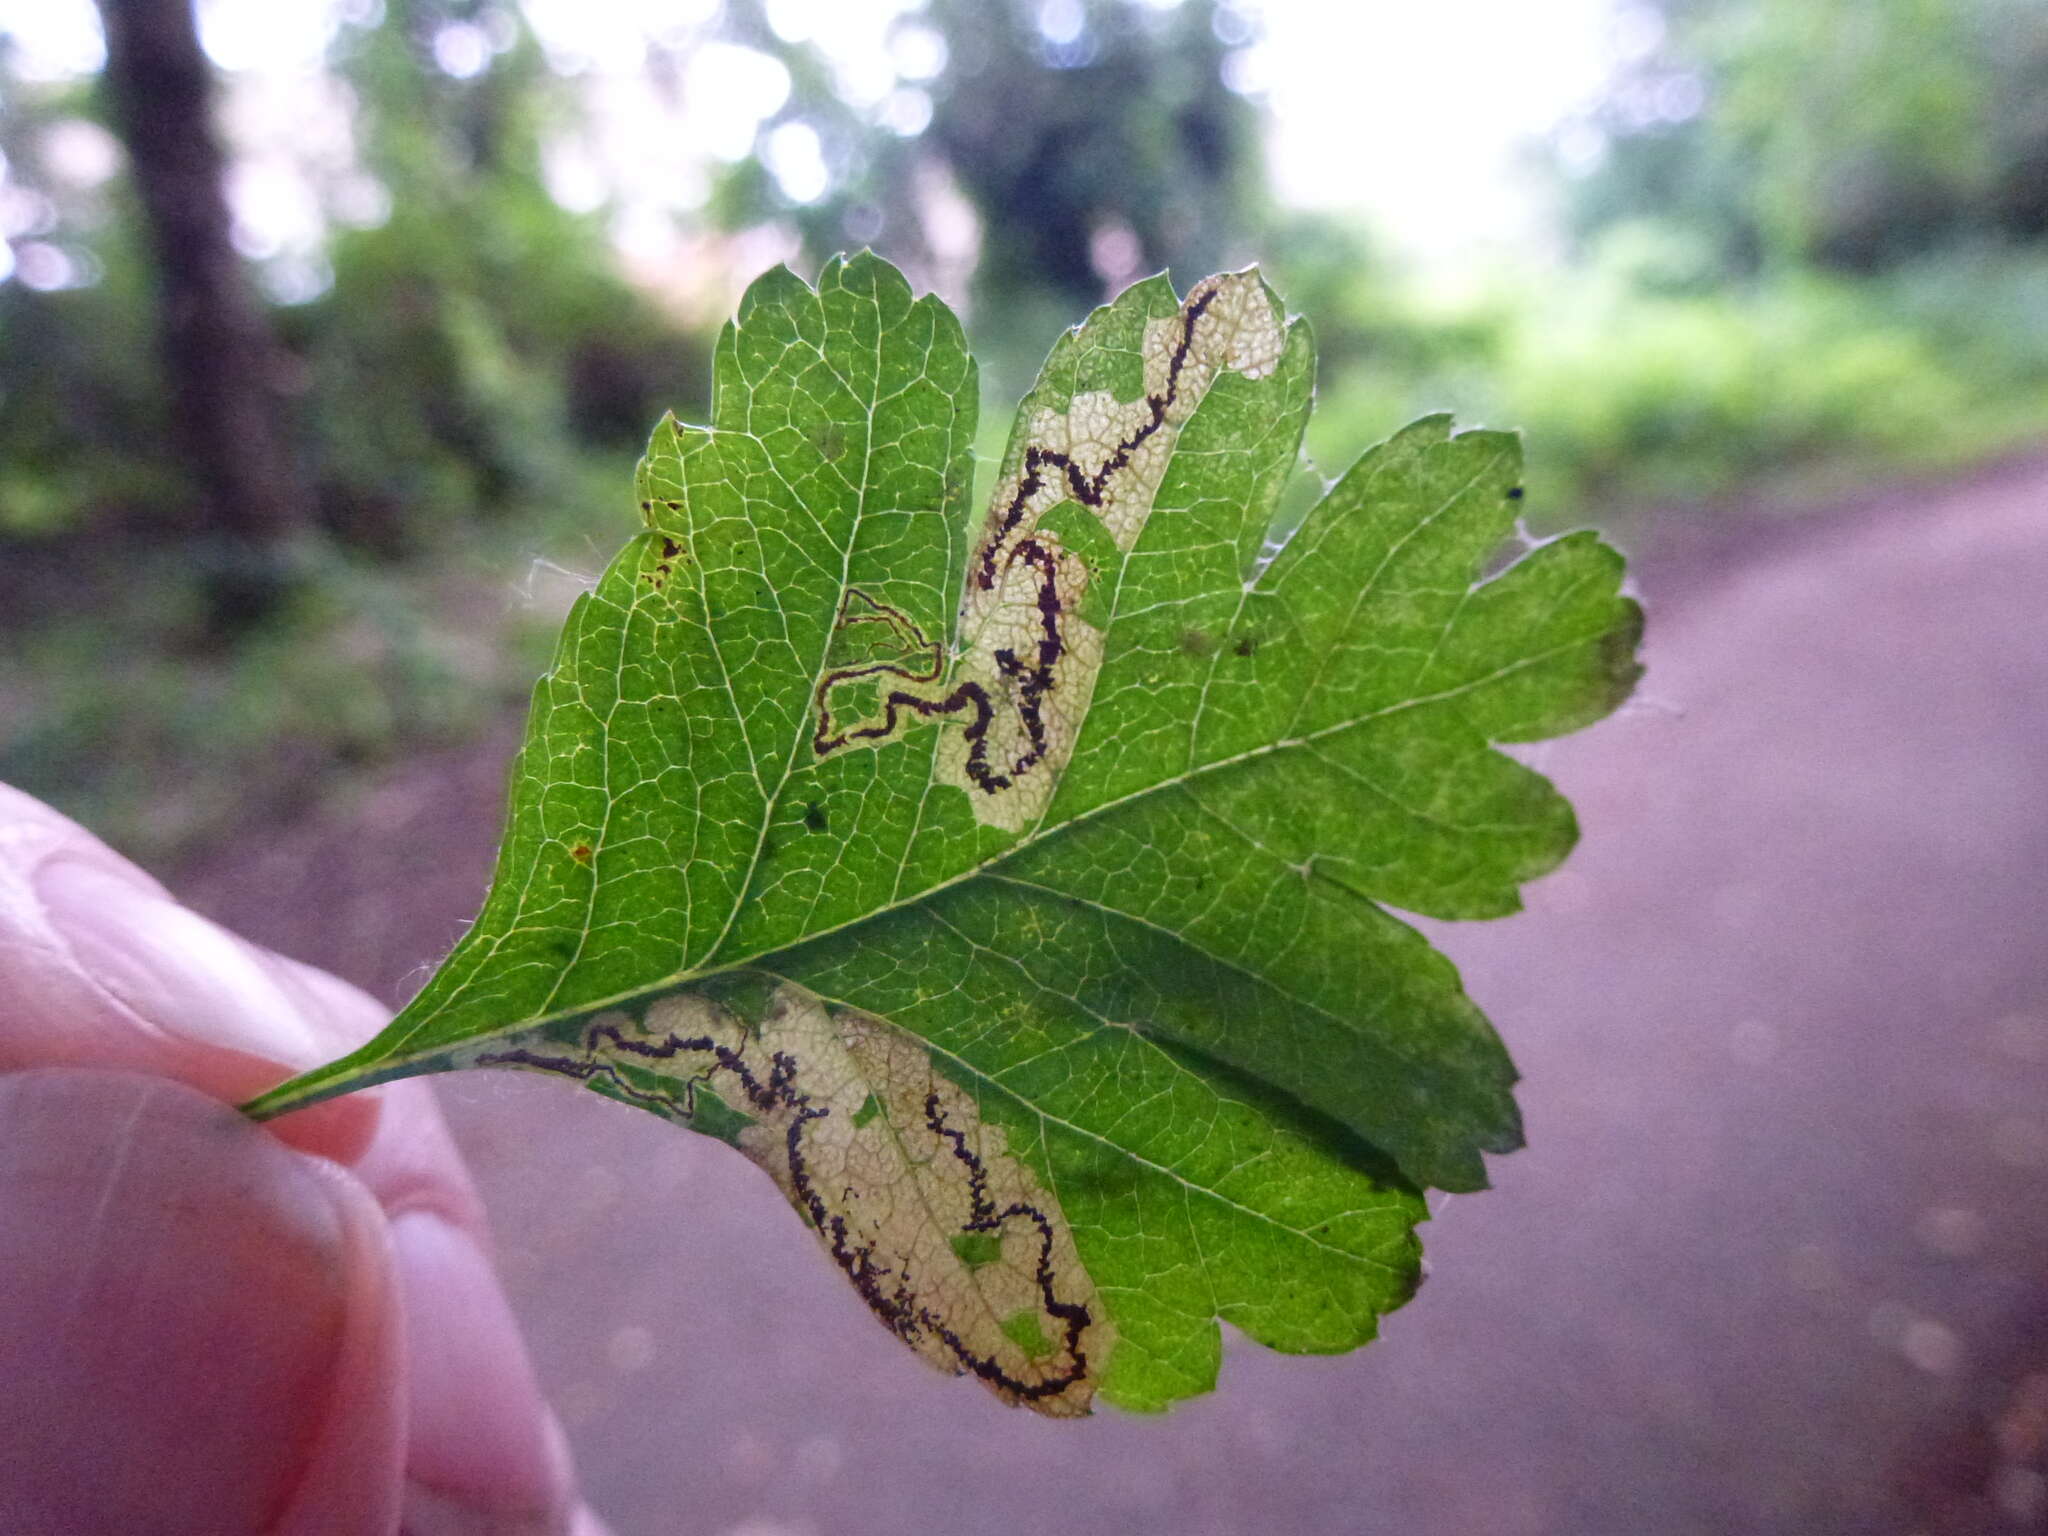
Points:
[[1410, 114], [1415, 114]]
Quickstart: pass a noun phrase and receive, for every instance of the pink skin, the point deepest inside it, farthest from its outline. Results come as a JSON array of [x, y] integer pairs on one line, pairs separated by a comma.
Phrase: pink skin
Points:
[[212, 1326]]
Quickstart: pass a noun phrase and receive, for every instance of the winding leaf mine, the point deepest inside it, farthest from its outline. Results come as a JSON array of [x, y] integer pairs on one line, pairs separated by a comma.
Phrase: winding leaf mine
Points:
[[1026, 670], [1015, 889], [951, 1241]]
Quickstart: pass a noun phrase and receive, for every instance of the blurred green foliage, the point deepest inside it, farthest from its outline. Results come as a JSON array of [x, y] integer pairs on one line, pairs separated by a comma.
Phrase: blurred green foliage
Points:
[[475, 377], [1849, 134], [477, 344], [76, 364], [1639, 390], [1808, 248]]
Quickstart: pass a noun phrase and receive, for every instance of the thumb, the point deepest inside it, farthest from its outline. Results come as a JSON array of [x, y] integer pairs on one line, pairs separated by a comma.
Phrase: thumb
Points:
[[199, 1325], [100, 967]]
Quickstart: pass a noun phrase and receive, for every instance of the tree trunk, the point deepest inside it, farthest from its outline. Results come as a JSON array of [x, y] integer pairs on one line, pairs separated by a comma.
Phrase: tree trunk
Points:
[[220, 362]]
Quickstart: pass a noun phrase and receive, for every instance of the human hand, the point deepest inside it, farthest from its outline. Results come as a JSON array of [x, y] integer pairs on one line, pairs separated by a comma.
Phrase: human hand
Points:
[[209, 1325]]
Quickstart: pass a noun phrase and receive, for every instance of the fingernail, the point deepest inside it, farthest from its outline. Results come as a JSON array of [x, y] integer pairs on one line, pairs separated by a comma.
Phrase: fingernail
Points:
[[171, 968], [485, 1453]]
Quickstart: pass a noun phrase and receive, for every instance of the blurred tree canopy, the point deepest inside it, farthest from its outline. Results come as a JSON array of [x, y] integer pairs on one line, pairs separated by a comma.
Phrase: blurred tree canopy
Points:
[[468, 341], [461, 354], [1094, 140], [462, 346], [477, 337], [1098, 143], [1854, 134], [1797, 235]]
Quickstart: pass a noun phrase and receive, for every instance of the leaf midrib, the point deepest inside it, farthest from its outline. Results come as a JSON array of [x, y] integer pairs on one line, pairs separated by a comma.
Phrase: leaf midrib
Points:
[[762, 959]]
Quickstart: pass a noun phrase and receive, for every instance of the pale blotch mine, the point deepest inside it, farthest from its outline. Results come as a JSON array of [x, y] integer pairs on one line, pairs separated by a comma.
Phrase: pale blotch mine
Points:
[[951, 1240]]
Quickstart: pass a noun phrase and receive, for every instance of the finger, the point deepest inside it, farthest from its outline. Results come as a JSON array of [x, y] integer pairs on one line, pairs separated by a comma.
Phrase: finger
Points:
[[107, 969], [201, 1329], [100, 967], [484, 1451]]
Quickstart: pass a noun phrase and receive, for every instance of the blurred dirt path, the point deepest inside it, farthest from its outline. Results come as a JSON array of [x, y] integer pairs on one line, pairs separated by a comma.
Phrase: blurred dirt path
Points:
[[1775, 1261]]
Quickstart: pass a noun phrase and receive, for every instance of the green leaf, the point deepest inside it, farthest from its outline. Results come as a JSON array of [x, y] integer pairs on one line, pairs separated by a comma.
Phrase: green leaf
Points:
[[1015, 890]]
